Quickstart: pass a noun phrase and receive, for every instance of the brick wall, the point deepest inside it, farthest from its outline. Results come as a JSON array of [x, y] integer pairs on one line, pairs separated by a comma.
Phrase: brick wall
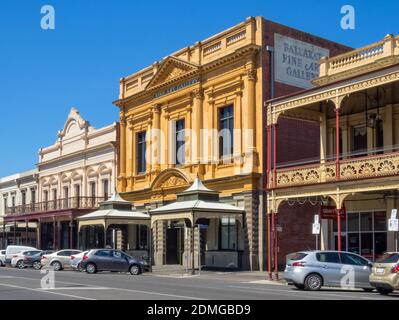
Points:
[[296, 235]]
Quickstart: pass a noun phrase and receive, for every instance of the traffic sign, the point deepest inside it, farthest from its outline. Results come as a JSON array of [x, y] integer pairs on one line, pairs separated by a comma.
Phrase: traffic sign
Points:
[[316, 228], [393, 225], [393, 213]]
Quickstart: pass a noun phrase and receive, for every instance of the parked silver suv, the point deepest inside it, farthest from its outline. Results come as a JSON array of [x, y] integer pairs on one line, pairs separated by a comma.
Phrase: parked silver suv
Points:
[[311, 270]]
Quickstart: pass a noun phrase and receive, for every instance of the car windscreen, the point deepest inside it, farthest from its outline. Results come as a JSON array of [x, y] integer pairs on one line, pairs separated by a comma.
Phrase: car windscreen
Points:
[[389, 258]]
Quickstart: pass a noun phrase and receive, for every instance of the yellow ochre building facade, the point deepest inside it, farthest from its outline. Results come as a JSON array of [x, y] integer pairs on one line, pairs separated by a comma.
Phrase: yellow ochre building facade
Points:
[[195, 120]]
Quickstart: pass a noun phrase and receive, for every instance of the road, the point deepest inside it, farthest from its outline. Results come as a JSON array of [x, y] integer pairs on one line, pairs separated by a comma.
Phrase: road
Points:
[[69, 285]]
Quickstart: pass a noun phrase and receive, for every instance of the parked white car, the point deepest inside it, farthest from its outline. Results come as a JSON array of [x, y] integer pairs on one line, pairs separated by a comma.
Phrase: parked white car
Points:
[[2, 258], [14, 250], [58, 260], [17, 260]]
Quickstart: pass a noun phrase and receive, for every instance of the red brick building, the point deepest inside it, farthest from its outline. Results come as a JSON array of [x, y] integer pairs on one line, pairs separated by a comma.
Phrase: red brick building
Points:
[[298, 141]]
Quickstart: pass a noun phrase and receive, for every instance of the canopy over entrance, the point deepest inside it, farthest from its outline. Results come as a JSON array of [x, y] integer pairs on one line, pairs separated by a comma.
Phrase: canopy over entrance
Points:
[[197, 202], [114, 211]]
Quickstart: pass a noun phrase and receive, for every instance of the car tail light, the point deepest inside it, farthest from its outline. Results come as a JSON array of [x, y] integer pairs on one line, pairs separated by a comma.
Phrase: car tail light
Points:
[[85, 258], [298, 264], [25, 258], [72, 257], [395, 268], [43, 258], [15, 256]]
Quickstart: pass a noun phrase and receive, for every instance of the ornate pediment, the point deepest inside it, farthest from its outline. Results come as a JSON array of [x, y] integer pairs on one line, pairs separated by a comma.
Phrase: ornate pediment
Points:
[[172, 182], [171, 69]]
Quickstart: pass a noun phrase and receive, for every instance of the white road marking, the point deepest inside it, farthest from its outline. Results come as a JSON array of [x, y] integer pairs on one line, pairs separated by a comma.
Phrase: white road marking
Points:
[[277, 292], [46, 291], [158, 293], [310, 293], [112, 288], [75, 288]]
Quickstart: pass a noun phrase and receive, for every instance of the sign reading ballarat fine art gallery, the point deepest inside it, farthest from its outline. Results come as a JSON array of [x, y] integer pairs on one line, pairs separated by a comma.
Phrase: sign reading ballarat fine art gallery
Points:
[[175, 88], [296, 62]]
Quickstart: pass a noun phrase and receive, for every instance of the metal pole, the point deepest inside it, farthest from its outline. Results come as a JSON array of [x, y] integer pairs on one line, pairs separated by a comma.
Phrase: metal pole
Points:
[[339, 228], [317, 241], [71, 233], [150, 247], [396, 241], [26, 231], [269, 252], [199, 250], [15, 236], [276, 248], [192, 250]]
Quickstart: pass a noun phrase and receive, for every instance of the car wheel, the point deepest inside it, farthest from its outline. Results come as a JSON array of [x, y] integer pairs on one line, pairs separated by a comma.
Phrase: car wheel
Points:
[[135, 270], [368, 289], [299, 286], [80, 267], [313, 282], [91, 268], [384, 291], [56, 266], [37, 265], [20, 264]]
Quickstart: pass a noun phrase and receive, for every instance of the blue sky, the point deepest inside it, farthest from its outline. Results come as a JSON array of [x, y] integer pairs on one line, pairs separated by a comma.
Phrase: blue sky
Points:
[[96, 42]]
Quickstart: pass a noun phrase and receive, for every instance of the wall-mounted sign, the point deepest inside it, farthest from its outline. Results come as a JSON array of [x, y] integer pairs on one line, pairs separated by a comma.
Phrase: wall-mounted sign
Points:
[[330, 212], [296, 62], [176, 88]]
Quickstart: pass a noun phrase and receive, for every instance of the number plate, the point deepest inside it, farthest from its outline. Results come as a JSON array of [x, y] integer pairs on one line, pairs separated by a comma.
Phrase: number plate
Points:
[[380, 270]]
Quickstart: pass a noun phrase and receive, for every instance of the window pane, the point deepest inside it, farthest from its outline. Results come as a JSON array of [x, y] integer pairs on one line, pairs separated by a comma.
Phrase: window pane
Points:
[[354, 243], [141, 148], [380, 239], [353, 222], [226, 126], [380, 221], [366, 221], [180, 142], [367, 245]]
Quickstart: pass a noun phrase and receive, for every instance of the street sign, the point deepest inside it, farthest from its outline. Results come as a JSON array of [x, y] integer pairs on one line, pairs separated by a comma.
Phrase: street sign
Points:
[[316, 228], [316, 218], [393, 213], [393, 225]]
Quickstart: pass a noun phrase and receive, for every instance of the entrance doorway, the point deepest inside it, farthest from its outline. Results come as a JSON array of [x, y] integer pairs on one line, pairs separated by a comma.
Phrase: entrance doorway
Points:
[[174, 246]]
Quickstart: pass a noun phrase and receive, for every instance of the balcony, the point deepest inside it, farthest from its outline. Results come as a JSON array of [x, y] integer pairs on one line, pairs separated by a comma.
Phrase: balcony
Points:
[[56, 205], [366, 59], [374, 166]]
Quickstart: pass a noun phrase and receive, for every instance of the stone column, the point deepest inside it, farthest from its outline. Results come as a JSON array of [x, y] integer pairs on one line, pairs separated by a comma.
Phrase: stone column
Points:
[[251, 245], [198, 97], [156, 138], [249, 83], [122, 151]]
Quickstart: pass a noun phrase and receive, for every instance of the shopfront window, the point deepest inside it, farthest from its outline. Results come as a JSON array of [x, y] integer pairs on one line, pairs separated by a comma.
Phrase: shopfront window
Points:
[[142, 237], [366, 233], [228, 234]]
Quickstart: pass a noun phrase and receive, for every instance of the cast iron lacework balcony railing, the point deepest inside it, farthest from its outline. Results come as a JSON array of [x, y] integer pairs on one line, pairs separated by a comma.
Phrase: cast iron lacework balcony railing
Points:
[[56, 205], [371, 166]]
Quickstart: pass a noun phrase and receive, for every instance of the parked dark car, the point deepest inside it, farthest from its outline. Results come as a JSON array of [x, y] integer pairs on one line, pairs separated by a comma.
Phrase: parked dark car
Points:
[[112, 260], [34, 260]]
